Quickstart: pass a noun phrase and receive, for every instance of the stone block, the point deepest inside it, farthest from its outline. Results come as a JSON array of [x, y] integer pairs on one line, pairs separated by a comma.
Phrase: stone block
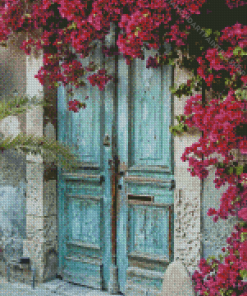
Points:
[[10, 126], [34, 191], [20, 272], [34, 226], [177, 281], [2, 268], [185, 181], [50, 228], [50, 205], [51, 264]]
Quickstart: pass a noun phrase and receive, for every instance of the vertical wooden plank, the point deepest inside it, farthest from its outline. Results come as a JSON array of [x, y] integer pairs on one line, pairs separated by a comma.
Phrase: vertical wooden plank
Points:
[[167, 81], [124, 110], [170, 232], [61, 107], [109, 262]]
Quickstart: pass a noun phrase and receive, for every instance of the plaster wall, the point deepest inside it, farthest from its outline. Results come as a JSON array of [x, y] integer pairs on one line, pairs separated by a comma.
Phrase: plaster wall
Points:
[[12, 164]]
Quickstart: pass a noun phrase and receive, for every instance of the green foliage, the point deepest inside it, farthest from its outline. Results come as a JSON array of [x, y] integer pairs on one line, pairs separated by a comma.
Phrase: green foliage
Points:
[[239, 51], [231, 169], [19, 105], [178, 129], [50, 149], [241, 94], [243, 236], [243, 273], [210, 258], [181, 127], [183, 89]]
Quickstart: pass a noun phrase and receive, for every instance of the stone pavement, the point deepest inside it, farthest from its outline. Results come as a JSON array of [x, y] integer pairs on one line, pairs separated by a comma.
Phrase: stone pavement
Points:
[[52, 288]]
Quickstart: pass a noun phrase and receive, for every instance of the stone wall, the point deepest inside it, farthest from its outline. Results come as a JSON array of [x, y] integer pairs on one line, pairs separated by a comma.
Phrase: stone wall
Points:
[[187, 195], [28, 221], [41, 241], [12, 164], [214, 234]]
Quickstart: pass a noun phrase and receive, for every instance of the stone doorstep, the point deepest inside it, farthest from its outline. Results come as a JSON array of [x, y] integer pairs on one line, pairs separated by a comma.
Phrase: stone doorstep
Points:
[[68, 289]]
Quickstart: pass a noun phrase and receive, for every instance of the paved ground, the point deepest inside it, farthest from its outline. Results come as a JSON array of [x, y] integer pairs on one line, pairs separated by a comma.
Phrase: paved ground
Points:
[[53, 288]]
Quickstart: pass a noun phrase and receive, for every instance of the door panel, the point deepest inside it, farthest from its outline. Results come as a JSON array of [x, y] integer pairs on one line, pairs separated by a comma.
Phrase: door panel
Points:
[[150, 144], [145, 218], [84, 224]]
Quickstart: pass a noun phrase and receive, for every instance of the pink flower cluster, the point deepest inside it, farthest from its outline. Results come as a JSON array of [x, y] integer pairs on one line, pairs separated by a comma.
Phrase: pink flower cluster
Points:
[[75, 105], [216, 64], [100, 79], [217, 277], [218, 121], [78, 23], [235, 3]]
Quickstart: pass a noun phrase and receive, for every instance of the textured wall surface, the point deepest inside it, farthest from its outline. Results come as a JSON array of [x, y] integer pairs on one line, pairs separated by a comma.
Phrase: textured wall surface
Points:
[[187, 195], [12, 165], [214, 234], [41, 241]]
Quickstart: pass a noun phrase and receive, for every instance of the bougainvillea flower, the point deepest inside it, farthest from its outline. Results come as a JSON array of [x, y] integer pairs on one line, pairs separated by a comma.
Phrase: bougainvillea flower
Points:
[[243, 214]]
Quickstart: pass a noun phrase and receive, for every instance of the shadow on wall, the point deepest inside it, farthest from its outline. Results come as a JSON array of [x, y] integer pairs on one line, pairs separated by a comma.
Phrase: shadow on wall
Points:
[[214, 234], [12, 205]]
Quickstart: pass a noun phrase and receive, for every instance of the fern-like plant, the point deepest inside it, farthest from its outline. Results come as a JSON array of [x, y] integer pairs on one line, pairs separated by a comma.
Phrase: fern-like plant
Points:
[[51, 150]]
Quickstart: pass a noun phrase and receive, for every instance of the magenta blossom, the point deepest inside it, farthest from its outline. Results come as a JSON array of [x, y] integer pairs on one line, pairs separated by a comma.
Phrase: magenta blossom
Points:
[[243, 214]]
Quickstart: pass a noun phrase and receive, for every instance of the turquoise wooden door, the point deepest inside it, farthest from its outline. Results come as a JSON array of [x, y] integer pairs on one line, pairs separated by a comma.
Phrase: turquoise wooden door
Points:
[[117, 209], [146, 177]]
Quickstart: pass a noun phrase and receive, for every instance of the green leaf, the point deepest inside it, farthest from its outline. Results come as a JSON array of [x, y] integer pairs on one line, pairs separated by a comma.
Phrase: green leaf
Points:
[[239, 50], [172, 89], [243, 273], [208, 32], [230, 170], [243, 236], [60, 154], [72, 26], [221, 258], [239, 170], [243, 224], [221, 165]]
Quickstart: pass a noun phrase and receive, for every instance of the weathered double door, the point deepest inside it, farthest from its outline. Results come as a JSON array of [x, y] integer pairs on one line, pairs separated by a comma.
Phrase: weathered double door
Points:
[[116, 211]]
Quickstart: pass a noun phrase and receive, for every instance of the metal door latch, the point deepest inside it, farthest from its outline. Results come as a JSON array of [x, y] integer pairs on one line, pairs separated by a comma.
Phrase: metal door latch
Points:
[[106, 141], [173, 185]]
